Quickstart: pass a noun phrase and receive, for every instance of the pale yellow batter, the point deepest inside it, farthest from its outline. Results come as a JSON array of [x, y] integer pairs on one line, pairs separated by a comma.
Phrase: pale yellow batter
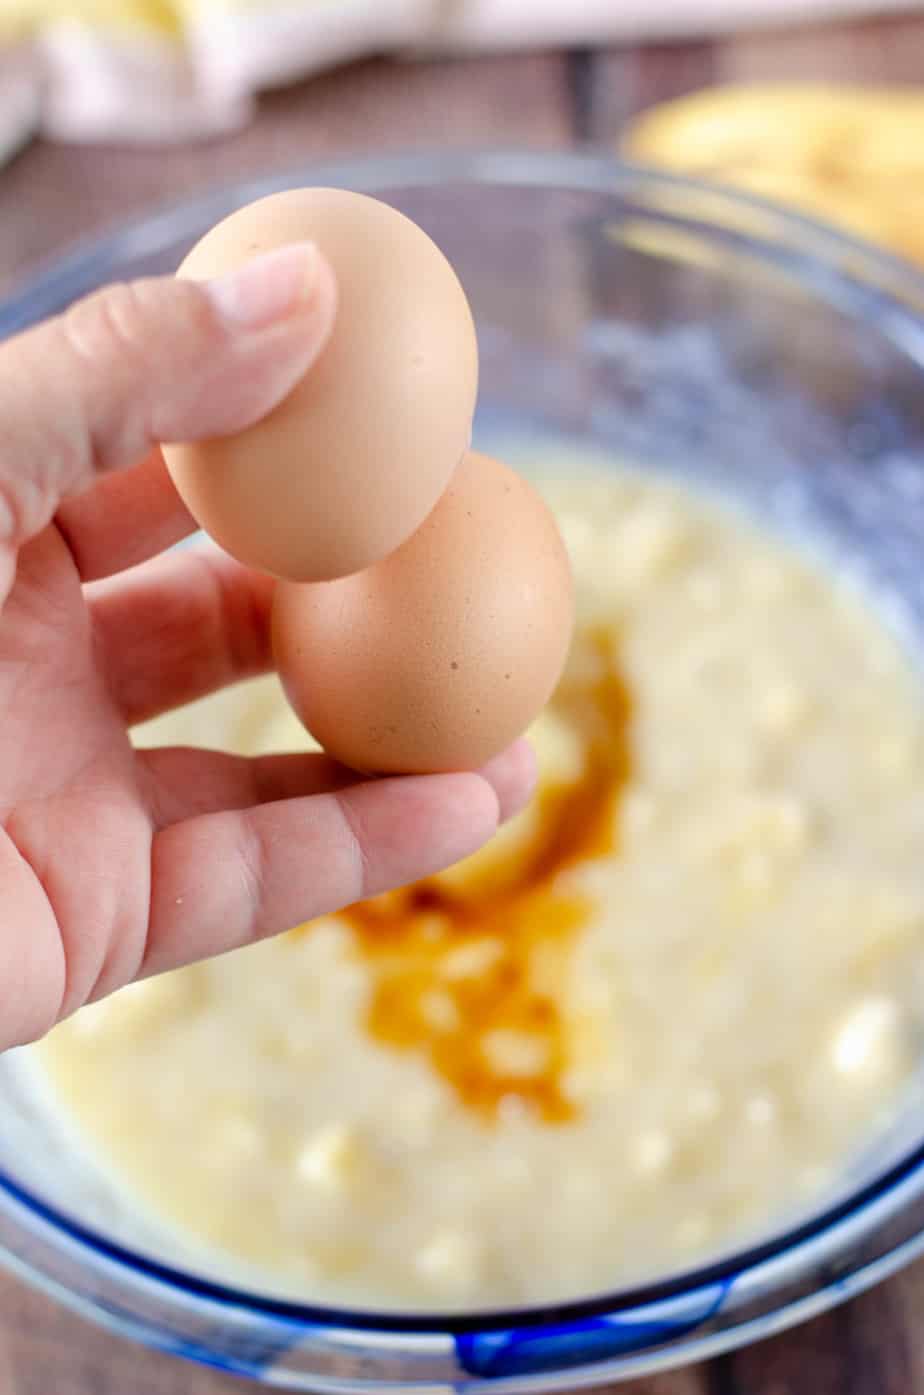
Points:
[[661, 1010]]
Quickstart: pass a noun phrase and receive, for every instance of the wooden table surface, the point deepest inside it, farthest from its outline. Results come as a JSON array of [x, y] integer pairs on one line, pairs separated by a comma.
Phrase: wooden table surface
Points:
[[51, 195]]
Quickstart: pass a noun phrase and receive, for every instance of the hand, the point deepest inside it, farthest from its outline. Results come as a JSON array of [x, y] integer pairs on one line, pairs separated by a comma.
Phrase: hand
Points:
[[116, 863]]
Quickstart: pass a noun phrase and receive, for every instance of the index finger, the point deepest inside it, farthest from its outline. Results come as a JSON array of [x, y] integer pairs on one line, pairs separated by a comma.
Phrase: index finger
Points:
[[163, 359]]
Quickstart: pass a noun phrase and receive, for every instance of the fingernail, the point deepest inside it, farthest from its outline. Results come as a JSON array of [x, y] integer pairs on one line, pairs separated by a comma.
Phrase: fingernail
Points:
[[268, 289]]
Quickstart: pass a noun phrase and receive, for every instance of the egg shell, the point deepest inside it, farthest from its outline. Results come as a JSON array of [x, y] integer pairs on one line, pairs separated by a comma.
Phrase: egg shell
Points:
[[442, 654], [353, 460]]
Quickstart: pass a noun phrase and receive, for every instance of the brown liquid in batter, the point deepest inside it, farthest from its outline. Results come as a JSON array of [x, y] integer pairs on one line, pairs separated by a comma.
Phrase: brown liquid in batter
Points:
[[454, 965]]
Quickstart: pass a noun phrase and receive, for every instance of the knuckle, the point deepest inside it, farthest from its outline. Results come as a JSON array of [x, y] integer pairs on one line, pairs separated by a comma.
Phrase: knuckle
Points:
[[107, 325], [129, 320], [216, 613], [251, 861], [23, 507], [356, 842], [130, 346]]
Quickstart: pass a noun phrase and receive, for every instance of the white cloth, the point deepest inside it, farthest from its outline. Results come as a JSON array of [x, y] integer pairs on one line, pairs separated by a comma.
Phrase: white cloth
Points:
[[76, 81]]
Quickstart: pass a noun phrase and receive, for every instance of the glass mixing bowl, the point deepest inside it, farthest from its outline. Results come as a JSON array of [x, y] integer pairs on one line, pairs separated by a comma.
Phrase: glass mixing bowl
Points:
[[682, 327]]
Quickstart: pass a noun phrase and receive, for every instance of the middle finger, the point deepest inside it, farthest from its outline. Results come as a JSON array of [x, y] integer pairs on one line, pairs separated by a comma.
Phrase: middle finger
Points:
[[180, 627], [125, 519]]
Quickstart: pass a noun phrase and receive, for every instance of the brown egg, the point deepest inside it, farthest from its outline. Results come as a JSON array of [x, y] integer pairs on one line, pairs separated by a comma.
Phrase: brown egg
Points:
[[442, 654], [353, 460]]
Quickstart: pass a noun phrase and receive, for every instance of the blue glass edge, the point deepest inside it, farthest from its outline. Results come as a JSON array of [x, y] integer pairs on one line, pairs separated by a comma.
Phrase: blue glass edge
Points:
[[526, 1351], [454, 1326], [53, 280]]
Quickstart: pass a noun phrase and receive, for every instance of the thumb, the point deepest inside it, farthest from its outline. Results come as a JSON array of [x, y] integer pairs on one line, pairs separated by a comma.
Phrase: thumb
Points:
[[155, 360]]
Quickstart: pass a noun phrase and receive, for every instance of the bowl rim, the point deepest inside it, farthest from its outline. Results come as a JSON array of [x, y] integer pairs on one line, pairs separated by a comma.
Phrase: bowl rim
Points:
[[855, 261], [585, 169], [856, 1208]]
